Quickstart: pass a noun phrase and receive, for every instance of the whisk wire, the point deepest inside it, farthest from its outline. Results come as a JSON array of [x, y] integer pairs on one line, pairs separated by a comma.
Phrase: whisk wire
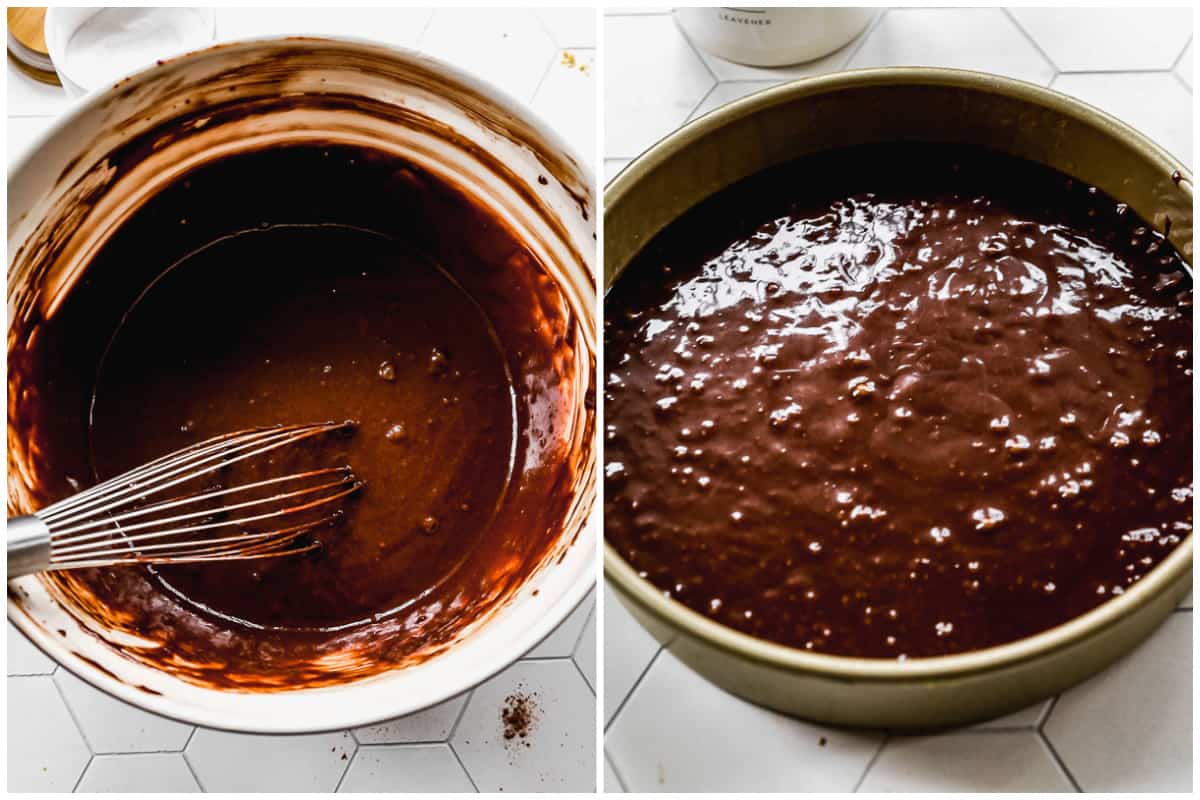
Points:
[[143, 537], [251, 544], [179, 457], [177, 472], [158, 508], [108, 525]]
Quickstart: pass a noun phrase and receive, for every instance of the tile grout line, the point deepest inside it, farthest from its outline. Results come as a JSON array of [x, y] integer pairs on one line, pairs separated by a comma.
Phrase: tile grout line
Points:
[[349, 761], [613, 766], [1175, 68], [974, 730], [462, 712], [633, 688], [463, 766], [776, 80], [870, 764], [74, 718], [696, 52], [862, 39], [82, 772], [1029, 38], [558, 51], [415, 743], [141, 753], [191, 769], [1122, 71], [1049, 745], [338, 786], [1040, 731], [546, 28], [583, 630], [550, 34], [1046, 714], [579, 640], [191, 736], [424, 30], [586, 682], [1178, 58], [695, 108], [195, 774], [1181, 81]]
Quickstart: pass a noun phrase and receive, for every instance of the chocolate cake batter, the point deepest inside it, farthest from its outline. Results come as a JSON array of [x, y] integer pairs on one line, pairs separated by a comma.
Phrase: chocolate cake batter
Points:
[[900, 401], [310, 283]]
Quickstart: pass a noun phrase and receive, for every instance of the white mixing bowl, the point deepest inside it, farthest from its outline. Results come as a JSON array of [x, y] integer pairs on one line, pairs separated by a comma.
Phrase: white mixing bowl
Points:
[[68, 192]]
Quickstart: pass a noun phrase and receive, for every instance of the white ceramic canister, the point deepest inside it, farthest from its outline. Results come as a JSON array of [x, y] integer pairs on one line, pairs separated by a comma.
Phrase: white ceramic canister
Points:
[[95, 47], [772, 37]]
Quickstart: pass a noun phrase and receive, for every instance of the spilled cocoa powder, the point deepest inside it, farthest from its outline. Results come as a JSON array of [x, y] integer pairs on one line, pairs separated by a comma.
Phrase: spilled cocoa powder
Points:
[[519, 716]]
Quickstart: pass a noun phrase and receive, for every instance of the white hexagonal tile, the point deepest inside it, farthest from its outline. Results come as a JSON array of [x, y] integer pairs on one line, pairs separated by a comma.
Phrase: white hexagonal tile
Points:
[[679, 733], [652, 81], [24, 658], [559, 752], [1184, 68], [612, 166], [562, 640], [144, 772], [612, 784], [1155, 103], [434, 724], [567, 100], [724, 93], [27, 97], [1129, 729], [996, 761], [406, 768], [241, 762], [508, 48], [114, 726], [973, 38], [628, 650], [585, 652], [729, 71], [395, 26], [46, 753], [1025, 718], [569, 27], [1108, 39]]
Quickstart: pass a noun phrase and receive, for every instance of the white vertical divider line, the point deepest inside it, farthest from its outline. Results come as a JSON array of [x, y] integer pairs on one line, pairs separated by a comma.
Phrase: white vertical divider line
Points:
[[598, 179]]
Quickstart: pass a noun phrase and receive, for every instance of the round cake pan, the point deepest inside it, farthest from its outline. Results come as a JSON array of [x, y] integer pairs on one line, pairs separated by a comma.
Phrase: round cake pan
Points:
[[808, 116], [106, 156]]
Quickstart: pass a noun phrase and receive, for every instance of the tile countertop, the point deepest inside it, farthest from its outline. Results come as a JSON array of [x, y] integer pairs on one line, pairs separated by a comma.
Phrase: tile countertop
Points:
[[65, 735], [668, 729]]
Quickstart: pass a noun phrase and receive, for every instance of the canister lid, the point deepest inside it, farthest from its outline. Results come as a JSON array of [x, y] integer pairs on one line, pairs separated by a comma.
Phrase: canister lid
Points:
[[27, 43]]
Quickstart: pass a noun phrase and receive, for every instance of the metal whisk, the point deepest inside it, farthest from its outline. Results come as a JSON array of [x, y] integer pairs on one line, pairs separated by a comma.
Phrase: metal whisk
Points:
[[149, 516]]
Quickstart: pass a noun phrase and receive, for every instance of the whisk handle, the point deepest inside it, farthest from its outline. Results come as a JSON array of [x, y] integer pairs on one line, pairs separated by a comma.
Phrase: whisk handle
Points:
[[28, 546]]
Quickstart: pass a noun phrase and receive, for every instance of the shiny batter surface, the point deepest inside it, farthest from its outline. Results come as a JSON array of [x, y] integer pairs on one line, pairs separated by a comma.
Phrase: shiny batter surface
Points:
[[304, 284], [899, 401]]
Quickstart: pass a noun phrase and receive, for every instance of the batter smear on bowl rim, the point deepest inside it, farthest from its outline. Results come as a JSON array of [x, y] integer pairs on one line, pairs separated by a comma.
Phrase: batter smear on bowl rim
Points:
[[898, 401]]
